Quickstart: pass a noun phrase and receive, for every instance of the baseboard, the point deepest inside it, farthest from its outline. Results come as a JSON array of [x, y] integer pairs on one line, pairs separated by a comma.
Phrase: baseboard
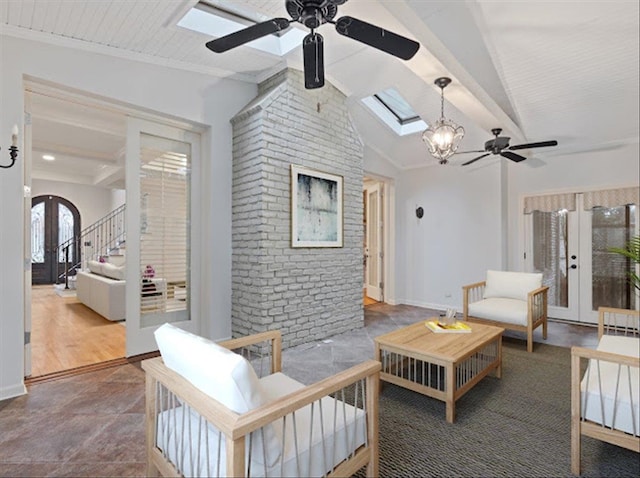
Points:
[[431, 305], [12, 391]]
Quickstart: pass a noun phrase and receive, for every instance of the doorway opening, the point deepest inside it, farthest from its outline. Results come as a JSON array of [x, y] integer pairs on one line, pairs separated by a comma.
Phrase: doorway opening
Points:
[[97, 143], [75, 176], [377, 196]]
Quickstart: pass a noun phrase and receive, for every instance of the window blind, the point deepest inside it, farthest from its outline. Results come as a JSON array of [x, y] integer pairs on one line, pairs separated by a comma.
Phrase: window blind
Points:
[[164, 223]]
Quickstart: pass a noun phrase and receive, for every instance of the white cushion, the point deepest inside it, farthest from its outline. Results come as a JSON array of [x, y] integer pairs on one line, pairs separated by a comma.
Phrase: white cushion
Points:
[[511, 285], [95, 267], [220, 373], [315, 458], [113, 271], [613, 389], [511, 311]]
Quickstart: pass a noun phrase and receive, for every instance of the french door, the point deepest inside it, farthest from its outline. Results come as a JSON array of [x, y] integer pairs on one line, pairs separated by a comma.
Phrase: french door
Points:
[[571, 249], [54, 220], [161, 202], [373, 241]]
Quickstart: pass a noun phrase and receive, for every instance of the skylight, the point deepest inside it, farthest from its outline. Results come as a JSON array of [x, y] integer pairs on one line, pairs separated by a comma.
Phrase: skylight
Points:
[[214, 22], [393, 109]]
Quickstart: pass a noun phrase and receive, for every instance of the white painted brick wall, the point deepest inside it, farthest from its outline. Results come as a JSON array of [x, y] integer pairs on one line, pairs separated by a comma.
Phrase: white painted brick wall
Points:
[[311, 293]]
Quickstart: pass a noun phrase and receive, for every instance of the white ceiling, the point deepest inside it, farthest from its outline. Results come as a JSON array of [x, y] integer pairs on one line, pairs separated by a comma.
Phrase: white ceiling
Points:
[[540, 70]]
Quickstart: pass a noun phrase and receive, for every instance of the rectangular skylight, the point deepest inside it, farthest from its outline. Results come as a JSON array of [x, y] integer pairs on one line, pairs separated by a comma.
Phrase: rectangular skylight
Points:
[[209, 20], [393, 109]]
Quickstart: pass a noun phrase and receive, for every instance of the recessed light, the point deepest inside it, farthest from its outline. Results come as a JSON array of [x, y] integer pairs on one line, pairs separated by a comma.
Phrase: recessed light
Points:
[[48, 157]]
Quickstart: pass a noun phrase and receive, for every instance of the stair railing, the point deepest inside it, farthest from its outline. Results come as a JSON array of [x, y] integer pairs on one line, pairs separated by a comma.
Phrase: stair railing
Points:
[[94, 241]]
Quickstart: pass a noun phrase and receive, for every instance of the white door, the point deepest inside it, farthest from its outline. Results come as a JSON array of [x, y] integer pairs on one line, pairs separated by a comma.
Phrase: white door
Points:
[[162, 259], [373, 239], [571, 248]]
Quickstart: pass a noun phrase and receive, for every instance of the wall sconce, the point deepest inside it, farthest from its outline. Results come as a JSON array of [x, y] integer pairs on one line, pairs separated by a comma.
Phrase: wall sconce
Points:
[[419, 212], [13, 149]]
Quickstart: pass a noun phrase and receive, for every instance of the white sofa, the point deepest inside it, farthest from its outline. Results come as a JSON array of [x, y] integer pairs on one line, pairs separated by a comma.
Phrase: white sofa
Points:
[[102, 288], [605, 400], [512, 300]]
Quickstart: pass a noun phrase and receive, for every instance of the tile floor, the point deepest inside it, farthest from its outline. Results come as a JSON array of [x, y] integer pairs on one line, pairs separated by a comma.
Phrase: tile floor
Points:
[[92, 424]]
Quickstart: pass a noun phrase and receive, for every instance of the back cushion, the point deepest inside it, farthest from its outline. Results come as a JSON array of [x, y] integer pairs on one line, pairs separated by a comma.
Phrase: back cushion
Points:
[[511, 285], [220, 373], [95, 267], [112, 271]]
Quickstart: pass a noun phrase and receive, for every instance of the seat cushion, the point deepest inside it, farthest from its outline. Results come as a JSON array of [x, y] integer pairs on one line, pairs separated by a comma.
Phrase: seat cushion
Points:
[[611, 393], [220, 373], [324, 438], [511, 311], [511, 285]]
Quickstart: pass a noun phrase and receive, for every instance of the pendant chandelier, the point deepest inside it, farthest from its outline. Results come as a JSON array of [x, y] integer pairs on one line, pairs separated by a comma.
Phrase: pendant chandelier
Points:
[[443, 136]]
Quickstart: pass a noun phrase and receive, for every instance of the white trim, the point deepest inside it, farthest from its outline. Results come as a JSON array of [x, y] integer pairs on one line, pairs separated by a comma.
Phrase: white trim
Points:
[[57, 40], [13, 391]]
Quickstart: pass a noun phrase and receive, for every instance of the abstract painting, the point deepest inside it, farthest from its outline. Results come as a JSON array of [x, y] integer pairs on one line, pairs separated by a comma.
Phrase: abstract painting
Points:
[[316, 208]]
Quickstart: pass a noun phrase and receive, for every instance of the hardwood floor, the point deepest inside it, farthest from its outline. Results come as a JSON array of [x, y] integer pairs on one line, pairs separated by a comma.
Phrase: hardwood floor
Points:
[[66, 334]]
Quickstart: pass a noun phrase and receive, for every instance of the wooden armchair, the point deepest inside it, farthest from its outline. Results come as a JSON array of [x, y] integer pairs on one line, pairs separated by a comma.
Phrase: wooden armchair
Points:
[[511, 300], [605, 402], [268, 426]]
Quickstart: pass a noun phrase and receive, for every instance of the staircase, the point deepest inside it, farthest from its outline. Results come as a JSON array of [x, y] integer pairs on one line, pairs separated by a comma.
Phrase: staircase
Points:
[[105, 237]]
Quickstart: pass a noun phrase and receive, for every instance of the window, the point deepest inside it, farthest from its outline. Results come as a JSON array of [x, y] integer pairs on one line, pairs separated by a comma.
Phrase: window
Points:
[[395, 112], [217, 22]]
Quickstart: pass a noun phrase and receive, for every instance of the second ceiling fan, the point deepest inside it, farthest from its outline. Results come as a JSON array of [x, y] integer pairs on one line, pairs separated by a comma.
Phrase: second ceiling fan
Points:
[[312, 14], [500, 145]]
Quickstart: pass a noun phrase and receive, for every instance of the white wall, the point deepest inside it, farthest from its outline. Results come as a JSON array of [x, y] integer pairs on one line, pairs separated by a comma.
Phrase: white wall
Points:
[[190, 96], [570, 173], [92, 202], [118, 198], [457, 240]]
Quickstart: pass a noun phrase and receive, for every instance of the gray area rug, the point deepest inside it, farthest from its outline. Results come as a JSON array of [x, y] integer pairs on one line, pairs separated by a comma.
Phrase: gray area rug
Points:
[[515, 426]]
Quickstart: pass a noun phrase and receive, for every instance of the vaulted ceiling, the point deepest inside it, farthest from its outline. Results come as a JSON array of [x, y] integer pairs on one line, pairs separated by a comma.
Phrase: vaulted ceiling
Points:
[[561, 70]]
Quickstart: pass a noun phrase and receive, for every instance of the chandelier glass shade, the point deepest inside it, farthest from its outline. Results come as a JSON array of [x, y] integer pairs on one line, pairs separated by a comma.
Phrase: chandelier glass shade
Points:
[[443, 136]]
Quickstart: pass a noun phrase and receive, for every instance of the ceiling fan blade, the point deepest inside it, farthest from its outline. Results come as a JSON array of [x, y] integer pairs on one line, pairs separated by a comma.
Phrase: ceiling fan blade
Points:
[[474, 151], [227, 42], [533, 145], [512, 156], [377, 37], [475, 159], [313, 55]]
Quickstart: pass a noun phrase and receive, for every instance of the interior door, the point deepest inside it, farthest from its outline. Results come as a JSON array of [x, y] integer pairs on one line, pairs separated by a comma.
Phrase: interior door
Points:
[[54, 220], [373, 238], [571, 249], [161, 258]]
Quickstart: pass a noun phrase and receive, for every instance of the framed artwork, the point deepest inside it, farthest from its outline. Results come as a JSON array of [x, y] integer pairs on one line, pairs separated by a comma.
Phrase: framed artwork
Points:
[[316, 208]]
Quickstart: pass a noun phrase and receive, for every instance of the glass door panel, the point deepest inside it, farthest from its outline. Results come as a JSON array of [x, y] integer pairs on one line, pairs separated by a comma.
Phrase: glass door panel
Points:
[[612, 227], [161, 200], [550, 232]]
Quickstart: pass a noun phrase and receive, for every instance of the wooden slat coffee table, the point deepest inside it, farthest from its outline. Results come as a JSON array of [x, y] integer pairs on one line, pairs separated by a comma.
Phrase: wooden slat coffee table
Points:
[[442, 366]]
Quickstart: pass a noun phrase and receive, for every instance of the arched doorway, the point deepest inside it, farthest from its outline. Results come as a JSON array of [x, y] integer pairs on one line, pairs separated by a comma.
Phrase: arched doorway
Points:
[[54, 220]]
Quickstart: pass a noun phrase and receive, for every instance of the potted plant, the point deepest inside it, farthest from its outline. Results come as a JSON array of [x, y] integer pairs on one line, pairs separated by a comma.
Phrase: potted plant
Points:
[[631, 251]]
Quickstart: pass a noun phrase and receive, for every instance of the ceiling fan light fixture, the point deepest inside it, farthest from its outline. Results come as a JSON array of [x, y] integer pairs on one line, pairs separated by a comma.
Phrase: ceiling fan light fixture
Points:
[[443, 136]]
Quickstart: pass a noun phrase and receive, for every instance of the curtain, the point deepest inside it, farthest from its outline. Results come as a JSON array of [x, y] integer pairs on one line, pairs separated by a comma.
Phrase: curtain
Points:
[[550, 203], [611, 198]]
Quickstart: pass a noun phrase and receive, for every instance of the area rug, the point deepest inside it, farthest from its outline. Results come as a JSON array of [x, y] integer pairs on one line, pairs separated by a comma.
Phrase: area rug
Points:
[[517, 426]]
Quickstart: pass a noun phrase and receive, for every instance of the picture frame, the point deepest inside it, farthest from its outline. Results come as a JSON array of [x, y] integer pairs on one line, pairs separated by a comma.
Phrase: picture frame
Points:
[[316, 208]]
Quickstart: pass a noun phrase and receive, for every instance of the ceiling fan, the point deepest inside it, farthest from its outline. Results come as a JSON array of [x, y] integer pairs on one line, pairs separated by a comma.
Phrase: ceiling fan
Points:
[[500, 145], [312, 14]]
